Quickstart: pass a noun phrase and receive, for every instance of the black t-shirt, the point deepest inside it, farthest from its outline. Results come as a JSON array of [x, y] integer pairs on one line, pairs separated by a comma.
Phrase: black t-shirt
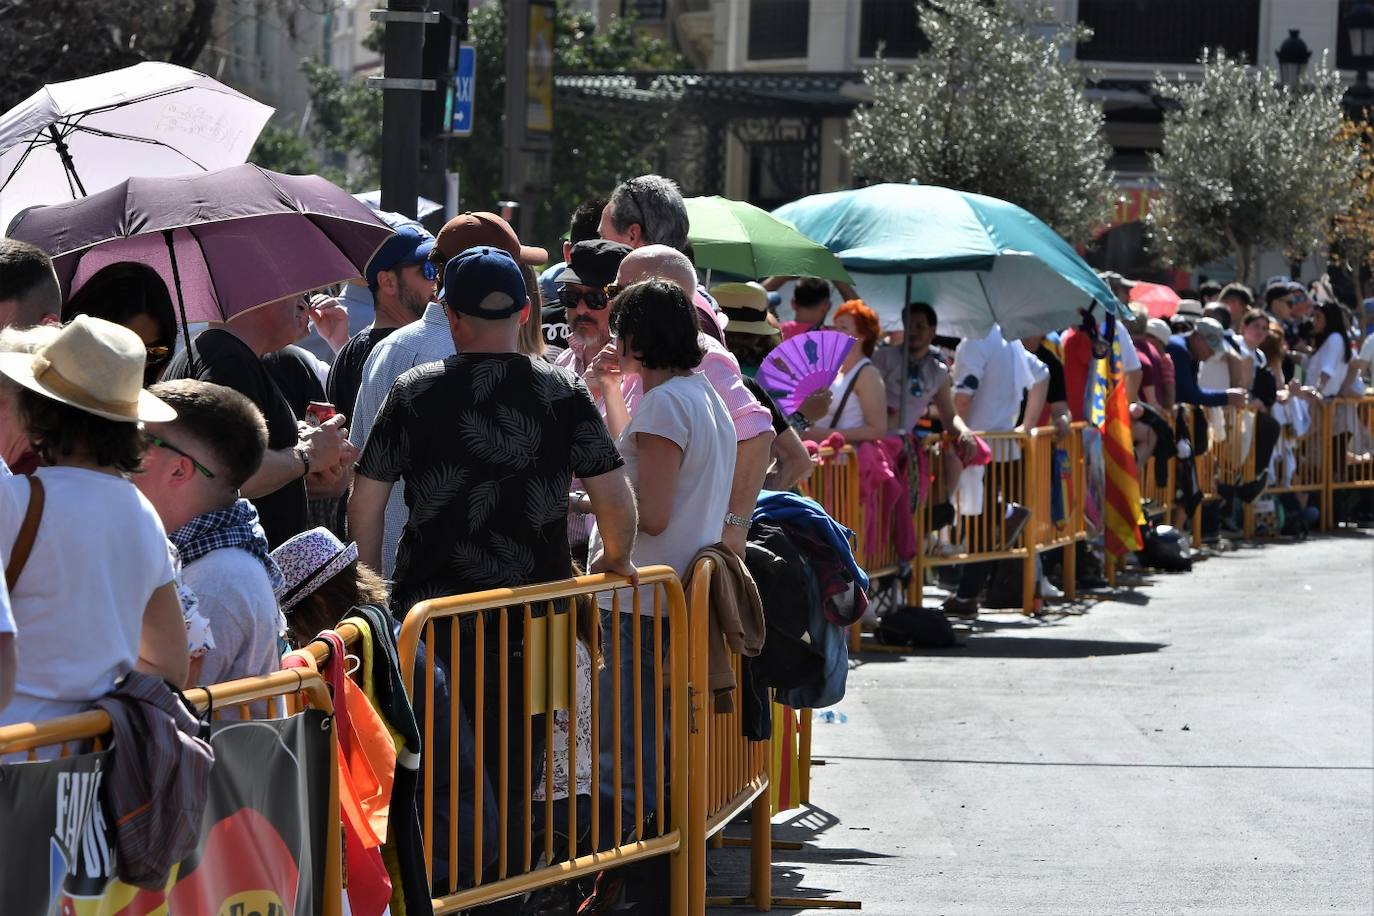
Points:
[[1057, 391], [346, 374], [293, 369], [223, 359], [766, 399], [487, 444]]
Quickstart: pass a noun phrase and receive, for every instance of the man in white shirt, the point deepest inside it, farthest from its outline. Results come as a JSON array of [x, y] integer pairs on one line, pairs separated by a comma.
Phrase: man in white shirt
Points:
[[191, 475], [990, 377]]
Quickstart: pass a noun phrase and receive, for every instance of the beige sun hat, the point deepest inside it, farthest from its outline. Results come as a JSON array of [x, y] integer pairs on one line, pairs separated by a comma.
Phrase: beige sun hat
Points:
[[93, 365], [746, 306]]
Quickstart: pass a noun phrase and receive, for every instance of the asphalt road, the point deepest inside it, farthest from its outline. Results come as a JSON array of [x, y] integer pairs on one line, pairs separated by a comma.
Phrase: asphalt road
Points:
[[1203, 743]]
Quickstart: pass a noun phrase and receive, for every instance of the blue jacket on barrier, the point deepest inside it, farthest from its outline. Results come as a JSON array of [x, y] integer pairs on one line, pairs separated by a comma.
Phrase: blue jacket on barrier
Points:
[[808, 515]]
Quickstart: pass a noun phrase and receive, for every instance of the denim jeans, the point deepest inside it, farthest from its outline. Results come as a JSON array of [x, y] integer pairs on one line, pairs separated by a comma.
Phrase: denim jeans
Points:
[[607, 740]]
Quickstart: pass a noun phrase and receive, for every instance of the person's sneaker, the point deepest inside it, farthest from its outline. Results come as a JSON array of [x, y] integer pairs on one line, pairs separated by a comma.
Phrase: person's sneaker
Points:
[[1017, 516], [1049, 591], [965, 608], [1249, 491], [1090, 583]]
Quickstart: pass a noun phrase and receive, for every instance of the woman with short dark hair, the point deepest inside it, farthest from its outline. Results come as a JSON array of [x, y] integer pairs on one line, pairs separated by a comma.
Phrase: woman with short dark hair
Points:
[[134, 295]]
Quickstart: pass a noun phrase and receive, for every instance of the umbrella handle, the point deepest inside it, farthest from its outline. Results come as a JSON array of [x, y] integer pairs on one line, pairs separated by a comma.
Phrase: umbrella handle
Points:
[[181, 304], [66, 156]]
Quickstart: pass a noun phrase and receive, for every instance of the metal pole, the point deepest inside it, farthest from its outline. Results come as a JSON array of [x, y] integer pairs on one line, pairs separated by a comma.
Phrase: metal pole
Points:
[[517, 78], [401, 87]]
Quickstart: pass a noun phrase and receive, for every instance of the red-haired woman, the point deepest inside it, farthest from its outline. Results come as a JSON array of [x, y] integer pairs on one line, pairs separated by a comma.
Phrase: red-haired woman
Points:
[[859, 411]]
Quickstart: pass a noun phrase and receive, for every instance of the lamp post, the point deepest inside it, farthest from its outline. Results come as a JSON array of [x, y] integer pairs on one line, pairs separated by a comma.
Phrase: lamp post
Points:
[[1293, 56], [1359, 25]]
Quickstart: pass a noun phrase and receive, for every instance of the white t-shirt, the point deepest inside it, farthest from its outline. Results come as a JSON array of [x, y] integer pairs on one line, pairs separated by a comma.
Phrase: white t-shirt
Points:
[[235, 595], [687, 411], [1327, 360], [995, 373], [78, 605]]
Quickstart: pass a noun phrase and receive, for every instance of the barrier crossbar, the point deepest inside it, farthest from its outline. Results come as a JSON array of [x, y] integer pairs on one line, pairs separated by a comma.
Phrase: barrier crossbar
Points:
[[516, 647]]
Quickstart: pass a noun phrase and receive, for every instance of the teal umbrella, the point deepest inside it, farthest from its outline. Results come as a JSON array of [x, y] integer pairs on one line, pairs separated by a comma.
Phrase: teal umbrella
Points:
[[977, 260], [732, 237]]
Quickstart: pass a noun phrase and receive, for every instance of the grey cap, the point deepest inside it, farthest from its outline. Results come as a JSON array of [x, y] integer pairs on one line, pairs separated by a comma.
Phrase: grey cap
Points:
[[1210, 330], [1189, 308]]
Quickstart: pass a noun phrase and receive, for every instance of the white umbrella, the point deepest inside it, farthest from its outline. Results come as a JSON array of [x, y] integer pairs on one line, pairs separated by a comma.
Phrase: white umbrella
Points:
[[424, 207], [150, 120]]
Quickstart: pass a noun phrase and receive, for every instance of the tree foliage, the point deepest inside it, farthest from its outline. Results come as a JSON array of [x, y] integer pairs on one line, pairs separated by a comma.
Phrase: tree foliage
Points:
[[1352, 229], [590, 154], [342, 142], [993, 107], [1248, 165], [56, 40]]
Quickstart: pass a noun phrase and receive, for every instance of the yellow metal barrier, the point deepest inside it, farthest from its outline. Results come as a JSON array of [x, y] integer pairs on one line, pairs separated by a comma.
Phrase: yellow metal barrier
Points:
[[298, 687], [1008, 478], [1044, 531], [1302, 463], [1350, 422], [498, 628]]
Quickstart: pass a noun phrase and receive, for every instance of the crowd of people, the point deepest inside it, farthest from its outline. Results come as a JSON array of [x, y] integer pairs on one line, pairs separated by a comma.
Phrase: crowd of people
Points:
[[495, 427]]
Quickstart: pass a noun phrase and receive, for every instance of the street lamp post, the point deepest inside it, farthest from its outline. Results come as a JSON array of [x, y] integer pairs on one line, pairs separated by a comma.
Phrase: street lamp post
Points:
[[1359, 25], [1293, 56]]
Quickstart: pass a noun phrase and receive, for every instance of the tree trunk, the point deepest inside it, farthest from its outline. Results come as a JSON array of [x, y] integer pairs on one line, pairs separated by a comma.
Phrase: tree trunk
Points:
[[195, 34]]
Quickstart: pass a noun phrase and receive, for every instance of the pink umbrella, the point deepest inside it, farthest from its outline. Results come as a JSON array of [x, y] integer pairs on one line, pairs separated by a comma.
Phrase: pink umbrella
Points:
[[1159, 300]]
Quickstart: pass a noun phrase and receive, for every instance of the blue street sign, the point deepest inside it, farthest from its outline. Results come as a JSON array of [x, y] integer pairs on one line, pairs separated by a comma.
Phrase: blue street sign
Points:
[[464, 88]]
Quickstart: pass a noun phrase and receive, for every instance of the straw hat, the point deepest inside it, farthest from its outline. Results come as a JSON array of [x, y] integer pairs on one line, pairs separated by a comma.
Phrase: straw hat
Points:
[[93, 365], [746, 305], [309, 560]]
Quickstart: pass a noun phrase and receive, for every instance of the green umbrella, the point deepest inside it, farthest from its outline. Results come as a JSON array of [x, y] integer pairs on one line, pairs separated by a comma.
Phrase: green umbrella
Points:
[[732, 237]]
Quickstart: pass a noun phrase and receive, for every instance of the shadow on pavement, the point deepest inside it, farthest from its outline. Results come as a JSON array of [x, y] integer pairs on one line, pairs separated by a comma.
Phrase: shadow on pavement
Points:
[[987, 646], [728, 874]]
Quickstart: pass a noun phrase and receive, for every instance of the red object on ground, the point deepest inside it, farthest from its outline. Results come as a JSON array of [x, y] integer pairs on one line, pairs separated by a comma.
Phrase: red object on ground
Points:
[[1160, 300]]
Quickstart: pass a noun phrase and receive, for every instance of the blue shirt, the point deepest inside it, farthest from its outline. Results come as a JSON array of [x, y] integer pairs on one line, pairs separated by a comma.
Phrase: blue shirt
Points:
[[1186, 390]]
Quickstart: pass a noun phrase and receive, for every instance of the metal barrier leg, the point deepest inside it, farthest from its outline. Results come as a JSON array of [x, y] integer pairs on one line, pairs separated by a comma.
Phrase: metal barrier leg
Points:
[[1069, 570], [761, 853], [804, 756], [1029, 593]]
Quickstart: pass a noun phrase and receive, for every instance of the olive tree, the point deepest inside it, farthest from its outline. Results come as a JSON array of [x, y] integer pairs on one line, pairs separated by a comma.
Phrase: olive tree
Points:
[[1248, 165], [995, 106]]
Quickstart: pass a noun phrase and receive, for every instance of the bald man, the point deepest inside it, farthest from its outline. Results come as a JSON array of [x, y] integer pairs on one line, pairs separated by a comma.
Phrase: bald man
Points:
[[753, 424]]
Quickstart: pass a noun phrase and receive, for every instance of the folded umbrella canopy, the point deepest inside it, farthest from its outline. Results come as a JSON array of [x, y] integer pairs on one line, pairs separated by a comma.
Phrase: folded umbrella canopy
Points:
[[224, 242], [733, 237], [978, 260], [153, 119]]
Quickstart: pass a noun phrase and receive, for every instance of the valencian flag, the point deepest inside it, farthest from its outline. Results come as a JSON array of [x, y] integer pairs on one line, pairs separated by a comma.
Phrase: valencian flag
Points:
[[262, 838], [1109, 410]]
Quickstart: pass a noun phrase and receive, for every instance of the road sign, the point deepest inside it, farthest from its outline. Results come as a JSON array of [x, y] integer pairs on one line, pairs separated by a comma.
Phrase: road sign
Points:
[[464, 89]]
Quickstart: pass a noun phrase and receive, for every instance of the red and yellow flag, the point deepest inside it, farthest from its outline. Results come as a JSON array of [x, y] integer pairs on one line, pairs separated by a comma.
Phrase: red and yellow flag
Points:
[[1122, 517]]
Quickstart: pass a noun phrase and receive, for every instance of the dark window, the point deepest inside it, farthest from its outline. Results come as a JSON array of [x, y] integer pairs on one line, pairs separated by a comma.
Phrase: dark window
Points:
[[644, 9], [1344, 59], [1168, 31], [777, 28], [892, 23]]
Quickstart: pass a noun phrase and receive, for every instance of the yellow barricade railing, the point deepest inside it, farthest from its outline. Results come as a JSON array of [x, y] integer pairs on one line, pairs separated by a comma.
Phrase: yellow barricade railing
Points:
[[515, 647], [297, 687], [1350, 423]]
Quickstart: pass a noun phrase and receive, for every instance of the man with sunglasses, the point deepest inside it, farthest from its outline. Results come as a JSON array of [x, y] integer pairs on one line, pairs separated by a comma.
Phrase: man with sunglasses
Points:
[[583, 292], [191, 475], [401, 279]]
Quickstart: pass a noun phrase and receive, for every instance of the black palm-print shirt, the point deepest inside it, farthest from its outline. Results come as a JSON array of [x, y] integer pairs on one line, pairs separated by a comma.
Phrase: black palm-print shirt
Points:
[[487, 444]]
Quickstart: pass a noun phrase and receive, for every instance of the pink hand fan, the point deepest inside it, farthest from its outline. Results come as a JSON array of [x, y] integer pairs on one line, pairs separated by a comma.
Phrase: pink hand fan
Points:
[[802, 365]]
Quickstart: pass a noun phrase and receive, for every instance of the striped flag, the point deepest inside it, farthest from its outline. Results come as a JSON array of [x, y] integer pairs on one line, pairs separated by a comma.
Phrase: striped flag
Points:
[[1109, 410]]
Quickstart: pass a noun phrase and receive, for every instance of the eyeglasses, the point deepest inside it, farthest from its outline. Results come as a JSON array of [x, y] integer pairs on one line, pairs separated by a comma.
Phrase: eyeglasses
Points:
[[615, 289], [158, 355], [160, 443], [595, 299]]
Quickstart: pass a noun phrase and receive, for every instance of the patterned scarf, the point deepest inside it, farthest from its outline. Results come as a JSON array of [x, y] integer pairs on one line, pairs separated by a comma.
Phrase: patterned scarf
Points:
[[236, 526]]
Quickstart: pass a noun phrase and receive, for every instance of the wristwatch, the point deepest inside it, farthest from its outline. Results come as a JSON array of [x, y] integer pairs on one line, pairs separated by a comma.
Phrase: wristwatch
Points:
[[798, 422], [304, 455], [738, 521]]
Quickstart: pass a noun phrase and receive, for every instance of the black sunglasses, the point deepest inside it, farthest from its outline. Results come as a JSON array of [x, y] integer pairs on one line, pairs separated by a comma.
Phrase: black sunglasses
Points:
[[596, 299], [209, 474], [158, 355]]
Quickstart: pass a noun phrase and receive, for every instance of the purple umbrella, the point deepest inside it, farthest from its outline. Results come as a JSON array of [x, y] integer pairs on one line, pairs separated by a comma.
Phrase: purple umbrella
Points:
[[224, 242]]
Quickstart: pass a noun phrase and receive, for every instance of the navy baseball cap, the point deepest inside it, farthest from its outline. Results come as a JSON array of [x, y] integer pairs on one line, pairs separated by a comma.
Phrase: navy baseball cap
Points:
[[484, 282], [409, 245]]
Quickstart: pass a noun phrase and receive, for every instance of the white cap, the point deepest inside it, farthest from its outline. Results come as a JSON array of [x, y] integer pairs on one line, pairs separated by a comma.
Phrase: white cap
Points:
[[1159, 330]]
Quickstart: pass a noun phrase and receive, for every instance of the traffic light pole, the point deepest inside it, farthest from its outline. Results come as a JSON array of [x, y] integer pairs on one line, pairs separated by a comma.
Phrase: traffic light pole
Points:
[[401, 85]]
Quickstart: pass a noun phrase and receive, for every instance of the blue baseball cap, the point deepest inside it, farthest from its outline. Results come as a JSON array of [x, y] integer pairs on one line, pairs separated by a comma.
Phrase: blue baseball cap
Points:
[[485, 283], [410, 245]]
